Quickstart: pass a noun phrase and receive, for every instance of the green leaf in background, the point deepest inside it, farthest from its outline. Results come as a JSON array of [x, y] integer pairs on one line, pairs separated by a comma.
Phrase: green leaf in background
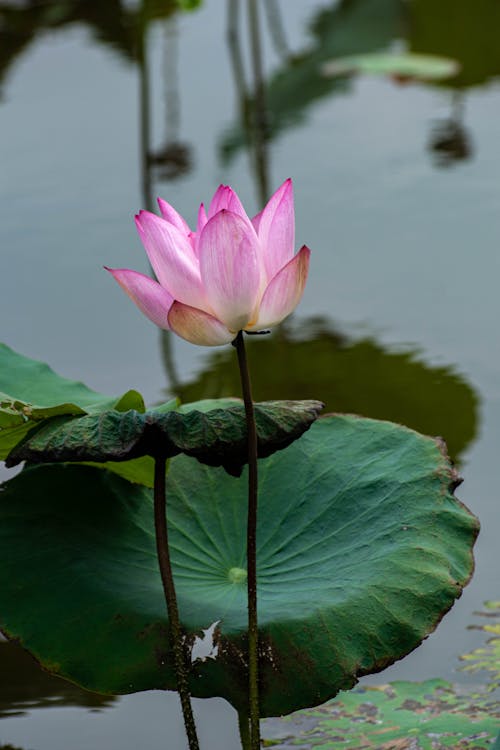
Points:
[[361, 550], [406, 65], [429, 715], [217, 437], [31, 392]]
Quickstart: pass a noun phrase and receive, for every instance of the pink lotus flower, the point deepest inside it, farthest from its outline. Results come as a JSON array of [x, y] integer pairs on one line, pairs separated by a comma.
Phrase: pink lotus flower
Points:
[[231, 274]]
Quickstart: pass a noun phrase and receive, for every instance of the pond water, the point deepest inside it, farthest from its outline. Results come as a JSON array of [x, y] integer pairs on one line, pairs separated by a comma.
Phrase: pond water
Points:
[[104, 106]]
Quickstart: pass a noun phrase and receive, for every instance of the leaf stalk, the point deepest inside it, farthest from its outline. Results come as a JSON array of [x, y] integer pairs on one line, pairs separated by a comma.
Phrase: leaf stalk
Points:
[[178, 646]]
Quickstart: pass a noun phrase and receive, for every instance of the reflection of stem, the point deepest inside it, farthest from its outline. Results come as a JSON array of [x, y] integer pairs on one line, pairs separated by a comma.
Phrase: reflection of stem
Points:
[[275, 24], [244, 730], [458, 106], [167, 579], [260, 112], [253, 635], [172, 99], [145, 125], [169, 361], [233, 12]]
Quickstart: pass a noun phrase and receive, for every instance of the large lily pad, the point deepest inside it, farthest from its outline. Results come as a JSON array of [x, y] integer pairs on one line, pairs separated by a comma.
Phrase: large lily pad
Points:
[[361, 550], [217, 437]]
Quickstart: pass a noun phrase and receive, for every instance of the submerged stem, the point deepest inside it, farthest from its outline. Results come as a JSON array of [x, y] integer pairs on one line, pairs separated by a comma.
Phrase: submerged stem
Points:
[[253, 659], [163, 552]]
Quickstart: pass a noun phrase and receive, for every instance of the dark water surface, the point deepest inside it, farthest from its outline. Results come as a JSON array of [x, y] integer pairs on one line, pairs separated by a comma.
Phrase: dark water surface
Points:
[[397, 194]]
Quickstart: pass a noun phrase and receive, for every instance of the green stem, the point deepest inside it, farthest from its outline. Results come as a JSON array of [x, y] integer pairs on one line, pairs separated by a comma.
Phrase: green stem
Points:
[[244, 730], [162, 549], [253, 636]]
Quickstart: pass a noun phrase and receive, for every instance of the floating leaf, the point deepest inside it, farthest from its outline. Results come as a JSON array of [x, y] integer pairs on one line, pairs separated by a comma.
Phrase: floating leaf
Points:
[[405, 65], [429, 715], [361, 550], [217, 437], [31, 392]]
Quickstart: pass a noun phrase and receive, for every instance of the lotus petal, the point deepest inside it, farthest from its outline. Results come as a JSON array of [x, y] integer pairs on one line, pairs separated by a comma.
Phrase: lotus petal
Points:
[[197, 326], [275, 226], [226, 198], [230, 269], [170, 214], [284, 292], [149, 296], [172, 257]]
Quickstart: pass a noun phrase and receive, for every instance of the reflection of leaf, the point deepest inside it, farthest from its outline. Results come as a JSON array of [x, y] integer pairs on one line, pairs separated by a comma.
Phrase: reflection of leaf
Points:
[[455, 28], [361, 549], [400, 716], [24, 686], [407, 65], [348, 27], [112, 23], [359, 377], [217, 437]]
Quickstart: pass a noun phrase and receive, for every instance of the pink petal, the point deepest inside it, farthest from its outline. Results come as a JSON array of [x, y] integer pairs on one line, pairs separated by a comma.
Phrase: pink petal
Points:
[[256, 220], [226, 198], [151, 298], [197, 326], [229, 263], [284, 291], [202, 218], [170, 214], [276, 229], [172, 257], [194, 237]]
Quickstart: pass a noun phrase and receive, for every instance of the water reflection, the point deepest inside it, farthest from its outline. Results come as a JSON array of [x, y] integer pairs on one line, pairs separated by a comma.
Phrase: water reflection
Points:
[[174, 158], [114, 23], [24, 686], [359, 376], [124, 28], [467, 33], [450, 140], [348, 27], [452, 28], [455, 30]]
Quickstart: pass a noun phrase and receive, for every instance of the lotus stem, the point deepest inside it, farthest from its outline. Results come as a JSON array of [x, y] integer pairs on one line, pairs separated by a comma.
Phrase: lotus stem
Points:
[[163, 552], [244, 730], [253, 633]]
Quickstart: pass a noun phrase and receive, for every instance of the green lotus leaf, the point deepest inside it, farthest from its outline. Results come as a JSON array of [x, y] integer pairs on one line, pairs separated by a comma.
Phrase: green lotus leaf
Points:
[[217, 437], [361, 550], [31, 392]]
